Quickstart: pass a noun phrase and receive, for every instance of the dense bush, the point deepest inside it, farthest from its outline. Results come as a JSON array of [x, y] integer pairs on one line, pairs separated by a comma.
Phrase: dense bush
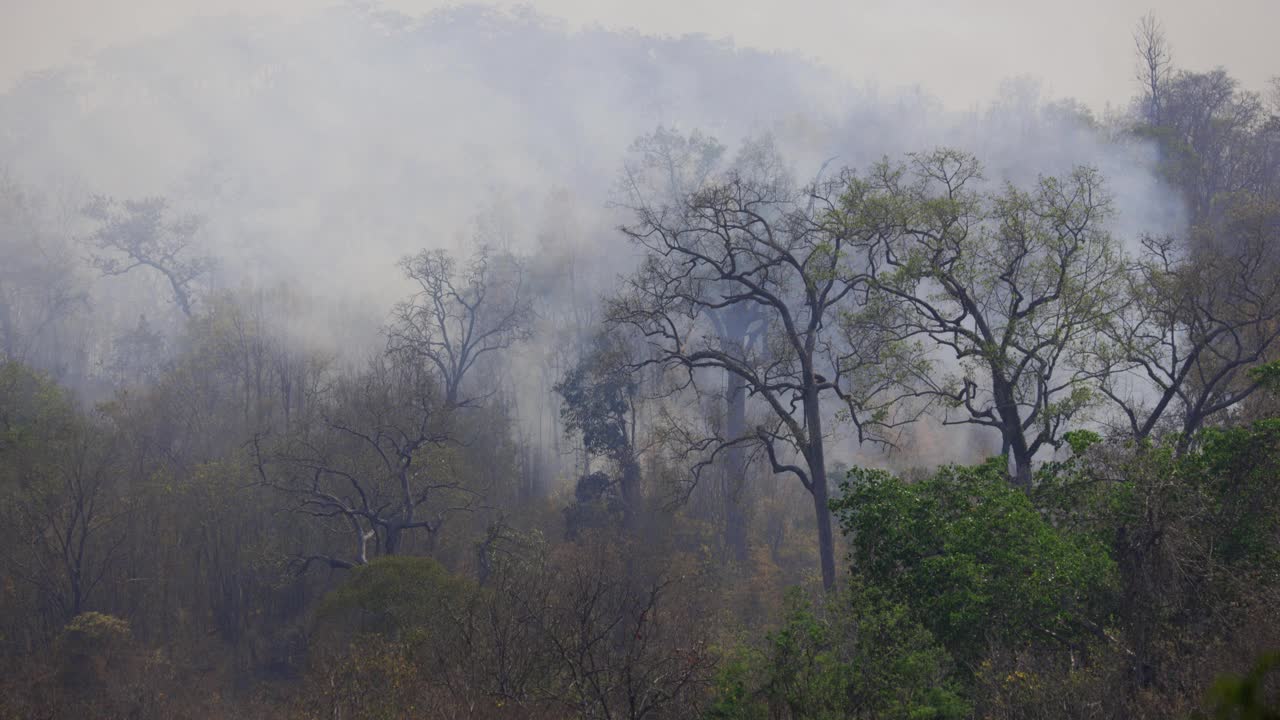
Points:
[[973, 560]]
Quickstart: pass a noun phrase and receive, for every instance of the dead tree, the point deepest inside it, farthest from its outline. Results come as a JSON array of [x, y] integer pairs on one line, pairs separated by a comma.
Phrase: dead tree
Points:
[[460, 315]]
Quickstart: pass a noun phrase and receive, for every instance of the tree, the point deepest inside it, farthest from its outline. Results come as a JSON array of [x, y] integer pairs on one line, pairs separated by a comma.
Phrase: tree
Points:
[[973, 560], [755, 241], [57, 492], [624, 640], [667, 167], [1012, 285], [460, 315], [1216, 141], [376, 463], [1192, 534], [600, 402], [1197, 319], [848, 654], [137, 233], [41, 289], [1154, 64]]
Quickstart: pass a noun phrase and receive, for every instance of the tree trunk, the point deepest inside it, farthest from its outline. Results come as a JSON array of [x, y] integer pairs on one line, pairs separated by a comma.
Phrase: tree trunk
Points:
[[392, 544], [1022, 472], [817, 461], [735, 469], [632, 500], [1013, 440], [826, 545], [1021, 457]]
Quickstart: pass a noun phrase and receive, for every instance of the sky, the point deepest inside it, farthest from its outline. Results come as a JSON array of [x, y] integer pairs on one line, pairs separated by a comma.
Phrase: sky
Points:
[[957, 50]]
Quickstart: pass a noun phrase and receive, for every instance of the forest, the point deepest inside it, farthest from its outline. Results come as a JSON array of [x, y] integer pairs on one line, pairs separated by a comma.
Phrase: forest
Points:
[[472, 366]]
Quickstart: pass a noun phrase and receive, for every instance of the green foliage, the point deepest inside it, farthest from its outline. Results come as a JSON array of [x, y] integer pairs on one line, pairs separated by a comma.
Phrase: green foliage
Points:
[[1237, 474], [853, 654], [1081, 440], [597, 393], [736, 692], [1243, 697], [93, 631], [971, 558], [36, 419], [88, 646], [1267, 375], [398, 597]]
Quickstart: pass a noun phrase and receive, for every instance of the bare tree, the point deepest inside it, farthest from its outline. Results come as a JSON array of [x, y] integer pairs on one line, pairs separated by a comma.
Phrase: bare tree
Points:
[[1014, 285], [375, 466], [459, 315], [137, 234], [1155, 64], [782, 253], [1197, 320], [80, 531], [40, 287], [621, 642], [668, 166]]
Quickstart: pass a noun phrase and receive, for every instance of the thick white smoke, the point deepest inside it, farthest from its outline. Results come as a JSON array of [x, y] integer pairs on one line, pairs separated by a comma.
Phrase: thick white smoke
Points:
[[321, 149]]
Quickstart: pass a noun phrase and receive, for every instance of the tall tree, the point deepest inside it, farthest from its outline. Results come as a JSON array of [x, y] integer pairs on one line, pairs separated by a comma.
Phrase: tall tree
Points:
[[1216, 140], [1155, 65], [375, 465], [460, 314], [1011, 285], [600, 403], [666, 167], [56, 491], [755, 241], [1199, 316]]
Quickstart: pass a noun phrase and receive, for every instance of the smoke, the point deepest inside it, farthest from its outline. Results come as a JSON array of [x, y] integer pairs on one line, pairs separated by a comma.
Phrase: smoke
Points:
[[322, 148]]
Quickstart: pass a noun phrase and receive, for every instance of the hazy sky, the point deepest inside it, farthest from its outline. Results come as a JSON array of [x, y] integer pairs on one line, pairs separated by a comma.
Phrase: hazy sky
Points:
[[959, 50]]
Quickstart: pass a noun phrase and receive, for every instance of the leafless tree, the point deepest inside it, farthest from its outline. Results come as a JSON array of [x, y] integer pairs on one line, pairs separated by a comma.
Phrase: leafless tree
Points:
[[1155, 64], [782, 253], [375, 465], [459, 315], [1197, 320], [621, 646], [70, 520]]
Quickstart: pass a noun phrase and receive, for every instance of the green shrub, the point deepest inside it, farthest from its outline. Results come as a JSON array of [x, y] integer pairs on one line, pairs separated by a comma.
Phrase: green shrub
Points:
[[852, 654], [972, 560]]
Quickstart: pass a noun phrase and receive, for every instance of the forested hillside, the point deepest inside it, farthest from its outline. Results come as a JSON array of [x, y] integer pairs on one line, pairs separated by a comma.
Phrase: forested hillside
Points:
[[470, 365]]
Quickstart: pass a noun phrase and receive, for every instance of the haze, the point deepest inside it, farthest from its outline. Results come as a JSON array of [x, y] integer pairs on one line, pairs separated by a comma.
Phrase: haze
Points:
[[658, 361], [958, 52]]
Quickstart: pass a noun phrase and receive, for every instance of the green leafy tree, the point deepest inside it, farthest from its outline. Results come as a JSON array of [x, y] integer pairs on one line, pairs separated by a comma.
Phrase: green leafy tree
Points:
[[1013, 284], [850, 654], [973, 559], [601, 396]]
